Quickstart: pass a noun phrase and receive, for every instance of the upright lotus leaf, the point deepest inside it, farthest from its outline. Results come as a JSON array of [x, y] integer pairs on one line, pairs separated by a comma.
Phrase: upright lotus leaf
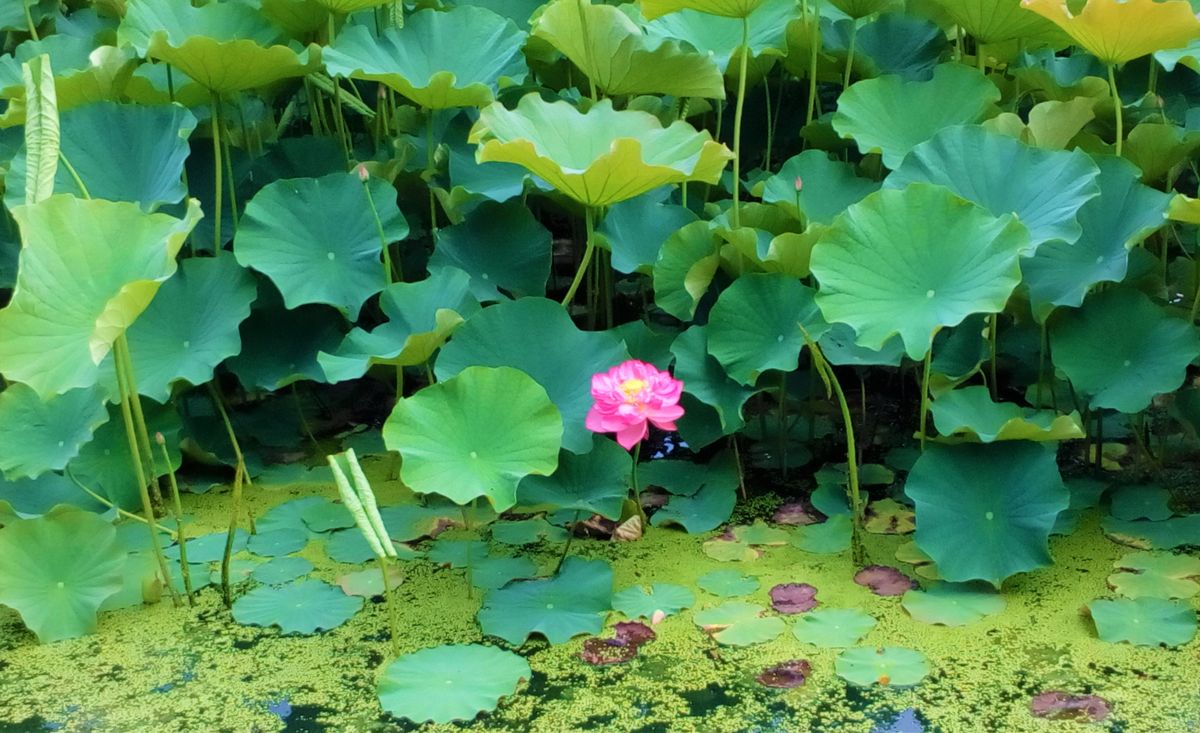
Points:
[[970, 413], [317, 238], [1120, 349], [44, 435], [476, 434], [88, 270], [1044, 189], [886, 666], [756, 325], [828, 187], [599, 157], [1001, 525], [1116, 31], [226, 47], [1053, 124], [686, 265], [501, 246], [635, 230], [611, 50], [430, 685], [914, 261], [996, 21], [572, 602], [345, 7], [300, 607], [721, 36], [739, 624], [421, 316], [56, 570], [596, 482], [704, 377], [652, 9], [280, 346], [890, 43], [439, 59], [891, 116], [121, 152], [191, 326], [1144, 621], [537, 336], [862, 8], [1125, 213]]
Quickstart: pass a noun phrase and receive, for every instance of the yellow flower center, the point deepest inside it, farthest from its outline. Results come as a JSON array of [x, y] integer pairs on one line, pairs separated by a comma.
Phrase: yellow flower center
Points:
[[631, 388]]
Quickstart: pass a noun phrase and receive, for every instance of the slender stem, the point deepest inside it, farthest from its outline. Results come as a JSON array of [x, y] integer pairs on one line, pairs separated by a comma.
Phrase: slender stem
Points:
[[108, 503], [588, 249], [852, 463], [737, 123], [992, 328], [850, 53], [303, 419], [217, 174], [1116, 97], [1042, 343], [177, 512], [227, 556], [467, 523], [570, 536], [1139, 428], [430, 169], [139, 421], [120, 356], [29, 20], [392, 272], [862, 401], [393, 619], [812, 66], [83, 189], [737, 460], [637, 489], [766, 164], [980, 61], [925, 395], [783, 431], [219, 402], [229, 182]]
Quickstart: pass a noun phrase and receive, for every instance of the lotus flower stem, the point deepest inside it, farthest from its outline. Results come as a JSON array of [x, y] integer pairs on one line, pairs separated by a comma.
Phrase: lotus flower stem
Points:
[[108, 503], [737, 461], [1120, 111], [240, 457], [570, 536], [850, 53], [217, 170], [128, 394], [240, 472], [766, 162], [29, 21], [233, 207], [737, 123], [470, 580], [783, 426], [177, 512], [636, 488], [925, 395], [588, 250], [139, 420], [980, 59]]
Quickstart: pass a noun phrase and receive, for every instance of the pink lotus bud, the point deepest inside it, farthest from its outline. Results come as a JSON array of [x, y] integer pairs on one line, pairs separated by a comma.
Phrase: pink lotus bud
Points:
[[799, 183], [361, 170], [158, 438], [657, 617]]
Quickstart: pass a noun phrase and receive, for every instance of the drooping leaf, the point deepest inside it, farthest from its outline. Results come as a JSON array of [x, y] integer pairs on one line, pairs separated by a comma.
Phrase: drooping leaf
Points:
[[430, 685], [970, 413], [476, 434], [833, 627], [914, 261], [704, 377], [573, 602], [88, 270], [599, 157], [724, 8], [1121, 349], [440, 59], [996, 21], [317, 239], [886, 666], [686, 264], [44, 435], [280, 346], [537, 336], [1144, 621], [1116, 31], [890, 43], [299, 607], [1002, 525], [720, 36]]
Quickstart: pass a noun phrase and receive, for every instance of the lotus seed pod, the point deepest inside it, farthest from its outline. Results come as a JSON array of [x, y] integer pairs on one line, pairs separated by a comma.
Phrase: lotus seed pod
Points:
[[355, 507]]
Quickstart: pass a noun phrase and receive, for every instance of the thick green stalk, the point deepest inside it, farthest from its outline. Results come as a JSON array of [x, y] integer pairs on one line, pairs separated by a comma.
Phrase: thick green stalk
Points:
[[29, 21], [812, 67], [177, 513], [993, 327], [217, 171], [567, 545], [430, 170], [393, 619], [139, 420], [588, 250], [1116, 97], [470, 580], [239, 473], [850, 54], [737, 124], [925, 395], [233, 206], [783, 427]]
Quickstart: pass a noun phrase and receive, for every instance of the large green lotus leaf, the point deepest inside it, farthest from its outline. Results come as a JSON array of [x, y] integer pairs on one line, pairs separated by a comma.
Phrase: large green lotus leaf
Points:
[[611, 50], [421, 316], [995, 21], [1043, 188], [952, 604], [721, 36], [703, 376], [1116, 31], [599, 157], [103, 465], [472, 183], [1125, 213], [642, 602], [121, 152], [572, 602], [756, 325], [280, 346], [635, 230], [913, 261], [449, 683], [892, 116], [888, 666], [652, 9], [501, 246], [984, 512], [439, 60], [537, 336], [829, 186], [833, 627], [191, 326], [476, 434], [317, 238], [44, 435], [1144, 621], [705, 510], [56, 570], [224, 46], [88, 270], [892, 43], [1120, 349], [28, 498], [83, 73], [686, 264], [594, 482], [739, 624], [299, 607], [970, 413], [1157, 148]]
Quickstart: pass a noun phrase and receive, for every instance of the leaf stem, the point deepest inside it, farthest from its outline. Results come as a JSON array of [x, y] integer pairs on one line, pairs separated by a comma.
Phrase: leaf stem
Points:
[[815, 42], [218, 173], [589, 248], [925, 395], [1116, 97], [993, 327], [177, 511], [29, 21], [850, 53], [737, 123]]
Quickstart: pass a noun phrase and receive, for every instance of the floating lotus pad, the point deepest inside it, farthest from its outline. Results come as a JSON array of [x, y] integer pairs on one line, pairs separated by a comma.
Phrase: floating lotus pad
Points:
[[760, 534], [491, 572], [785, 675], [456, 553], [430, 685], [739, 624], [792, 598], [952, 604], [885, 666], [728, 583], [833, 627], [888, 516], [723, 550], [827, 538], [883, 580], [600, 157], [642, 602], [44, 435], [299, 607], [970, 413], [278, 542], [1156, 575], [527, 532], [281, 570], [1141, 502], [1144, 621], [571, 603], [440, 59], [368, 583], [327, 516], [44, 577], [209, 547], [1165, 535], [914, 261]]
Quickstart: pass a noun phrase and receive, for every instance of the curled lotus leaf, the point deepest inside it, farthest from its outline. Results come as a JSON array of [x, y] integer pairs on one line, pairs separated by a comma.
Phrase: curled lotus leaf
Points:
[[1116, 31], [969, 413], [599, 157]]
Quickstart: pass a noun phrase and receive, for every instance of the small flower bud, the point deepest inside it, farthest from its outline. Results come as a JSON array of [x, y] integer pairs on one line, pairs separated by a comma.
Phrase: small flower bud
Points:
[[158, 438], [361, 170], [799, 183]]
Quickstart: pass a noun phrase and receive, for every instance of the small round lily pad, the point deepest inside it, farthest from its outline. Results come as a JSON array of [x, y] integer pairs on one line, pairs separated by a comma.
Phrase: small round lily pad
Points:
[[209, 547], [729, 551], [833, 627], [739, 624], [281, 570], [641, 602], [760, 534], [278, 542], [727, 583], [300, 607], [1144, 621], [368, 583], [888, 516], [447, 683], [327, 516], [884, 666], [952, 604], [1156, 575], [883, 580]]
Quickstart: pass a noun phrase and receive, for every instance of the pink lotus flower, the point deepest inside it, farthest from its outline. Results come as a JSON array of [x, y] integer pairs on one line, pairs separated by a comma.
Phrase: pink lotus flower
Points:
[[629, 397]]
